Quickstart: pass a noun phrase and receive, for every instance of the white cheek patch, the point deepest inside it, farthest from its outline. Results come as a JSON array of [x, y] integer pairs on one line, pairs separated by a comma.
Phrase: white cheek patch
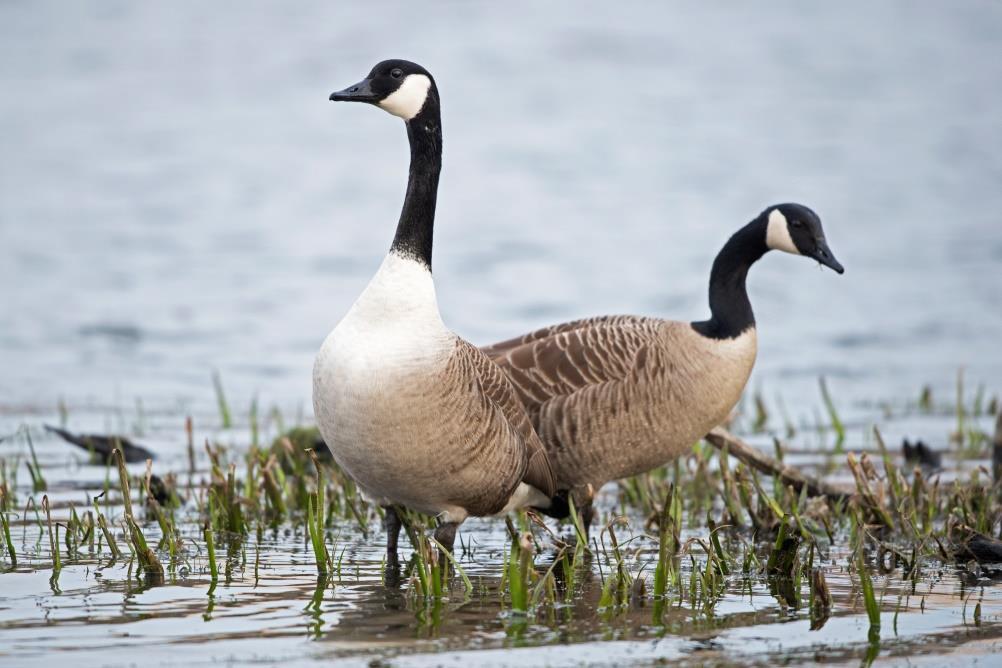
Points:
[[777, 234], [406, 101]]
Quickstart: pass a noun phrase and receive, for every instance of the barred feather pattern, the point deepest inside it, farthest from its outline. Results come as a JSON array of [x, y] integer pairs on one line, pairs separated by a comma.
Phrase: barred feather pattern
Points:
[[440, 435], [495, 386], [615, 396]]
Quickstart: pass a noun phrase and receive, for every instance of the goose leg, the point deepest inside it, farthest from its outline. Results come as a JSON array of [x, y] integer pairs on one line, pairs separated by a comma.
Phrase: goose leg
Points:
[[391, 521], [445, 534], [391, 572]]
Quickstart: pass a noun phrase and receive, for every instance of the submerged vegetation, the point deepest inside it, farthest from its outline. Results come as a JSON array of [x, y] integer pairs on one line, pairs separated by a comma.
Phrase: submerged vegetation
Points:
[[673, 551]]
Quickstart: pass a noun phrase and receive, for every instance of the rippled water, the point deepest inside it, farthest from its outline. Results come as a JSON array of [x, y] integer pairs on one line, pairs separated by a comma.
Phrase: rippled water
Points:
[[270, 606], [177, 194]]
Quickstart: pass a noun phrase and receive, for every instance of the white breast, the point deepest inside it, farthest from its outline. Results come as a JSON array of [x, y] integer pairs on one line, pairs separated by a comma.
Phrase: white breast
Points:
[[391, 340], [393, 329], [395, 316]]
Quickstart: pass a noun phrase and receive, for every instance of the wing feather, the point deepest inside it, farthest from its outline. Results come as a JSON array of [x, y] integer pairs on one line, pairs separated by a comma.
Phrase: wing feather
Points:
[[559, 361], [497, 388]]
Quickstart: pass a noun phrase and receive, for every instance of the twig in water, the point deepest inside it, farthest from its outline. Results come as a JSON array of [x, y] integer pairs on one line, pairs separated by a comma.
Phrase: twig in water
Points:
[[720, 438]]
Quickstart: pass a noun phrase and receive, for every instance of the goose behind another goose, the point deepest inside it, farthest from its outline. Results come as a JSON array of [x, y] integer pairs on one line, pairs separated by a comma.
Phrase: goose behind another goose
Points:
[[615, 396], [413, 413]]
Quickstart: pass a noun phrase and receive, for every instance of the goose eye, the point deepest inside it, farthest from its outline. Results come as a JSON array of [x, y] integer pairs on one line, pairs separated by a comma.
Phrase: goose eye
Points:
[[797, 223], [396, 73]]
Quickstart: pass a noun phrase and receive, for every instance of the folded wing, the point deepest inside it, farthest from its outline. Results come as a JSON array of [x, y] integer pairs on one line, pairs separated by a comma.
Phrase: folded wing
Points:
[[496, 387], [559, 361]]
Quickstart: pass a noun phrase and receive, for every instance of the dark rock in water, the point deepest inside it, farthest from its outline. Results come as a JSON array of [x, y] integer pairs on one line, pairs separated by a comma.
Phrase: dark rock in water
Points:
[[159, 490], [784, 558], [971, 544], [102, 446], [921, 455]]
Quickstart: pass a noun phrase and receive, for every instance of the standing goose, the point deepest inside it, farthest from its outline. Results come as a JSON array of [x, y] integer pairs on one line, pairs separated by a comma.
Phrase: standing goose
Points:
[[615, 396], [414, 414]]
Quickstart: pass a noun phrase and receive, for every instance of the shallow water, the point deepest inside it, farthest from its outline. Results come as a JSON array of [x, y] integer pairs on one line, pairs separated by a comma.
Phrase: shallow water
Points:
[[269, 604], [177, 194]]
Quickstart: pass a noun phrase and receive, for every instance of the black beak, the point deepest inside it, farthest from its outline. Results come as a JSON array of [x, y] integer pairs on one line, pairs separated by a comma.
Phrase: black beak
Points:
[[360, 92], [824, 255]]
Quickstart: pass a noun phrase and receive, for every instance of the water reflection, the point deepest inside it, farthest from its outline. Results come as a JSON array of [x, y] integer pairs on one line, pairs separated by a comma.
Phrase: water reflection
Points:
[[369, 608]]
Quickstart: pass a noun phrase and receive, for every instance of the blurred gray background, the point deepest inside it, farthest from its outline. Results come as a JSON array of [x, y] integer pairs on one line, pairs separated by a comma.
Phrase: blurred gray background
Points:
[[177, 194]]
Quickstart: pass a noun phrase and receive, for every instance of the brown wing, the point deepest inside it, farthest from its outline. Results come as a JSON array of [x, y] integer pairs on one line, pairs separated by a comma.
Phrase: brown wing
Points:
[[498, 389], [561, 360], [502, 347]]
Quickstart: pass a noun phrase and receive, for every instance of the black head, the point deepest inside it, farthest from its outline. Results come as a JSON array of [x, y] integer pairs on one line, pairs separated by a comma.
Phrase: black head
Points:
[[796, 229], [399, 87]]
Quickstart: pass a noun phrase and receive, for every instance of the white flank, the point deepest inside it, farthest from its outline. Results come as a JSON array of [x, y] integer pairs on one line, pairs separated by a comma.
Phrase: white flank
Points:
[[524, 496], [777, 235], [406, 101]]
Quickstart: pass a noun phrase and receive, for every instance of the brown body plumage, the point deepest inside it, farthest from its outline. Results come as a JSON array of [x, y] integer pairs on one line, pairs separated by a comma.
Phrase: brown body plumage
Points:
[[614, 396]]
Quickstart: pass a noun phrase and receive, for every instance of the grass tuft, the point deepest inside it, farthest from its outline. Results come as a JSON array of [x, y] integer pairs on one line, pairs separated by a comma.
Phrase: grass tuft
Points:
[[225, 418], [148, 561], [836, 422], [315, 521]]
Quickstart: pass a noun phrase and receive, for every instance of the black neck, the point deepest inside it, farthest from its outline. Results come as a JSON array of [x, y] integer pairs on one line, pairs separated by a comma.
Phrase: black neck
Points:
[[730, 311], [417, 219]]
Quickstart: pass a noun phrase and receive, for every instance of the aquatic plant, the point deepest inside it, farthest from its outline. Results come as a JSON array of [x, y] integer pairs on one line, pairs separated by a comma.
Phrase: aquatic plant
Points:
[[316, 522], [726, 517], [225, 418], [836, 422], [147, 559], [38, 483]]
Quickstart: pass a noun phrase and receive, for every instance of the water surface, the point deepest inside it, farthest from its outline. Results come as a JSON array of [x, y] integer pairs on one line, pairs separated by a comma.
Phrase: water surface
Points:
[[177, 194]]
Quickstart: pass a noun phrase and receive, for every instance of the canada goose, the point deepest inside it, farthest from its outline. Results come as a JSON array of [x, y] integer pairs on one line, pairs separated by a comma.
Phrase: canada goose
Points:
[[413, 413], [615, 396]]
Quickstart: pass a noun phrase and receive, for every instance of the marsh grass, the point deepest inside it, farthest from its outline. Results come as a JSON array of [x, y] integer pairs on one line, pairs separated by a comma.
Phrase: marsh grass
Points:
[[225, 417], [38, 483], [866, 582], [520, 572], [53, 531], [109, 537], [679, 539], [189, 432], [316, 516], [208, 535], [820, 597], [836, 421], [147, 559], [467, 583], [5, 509], [427, 568], [8, 541], [665, 572]]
